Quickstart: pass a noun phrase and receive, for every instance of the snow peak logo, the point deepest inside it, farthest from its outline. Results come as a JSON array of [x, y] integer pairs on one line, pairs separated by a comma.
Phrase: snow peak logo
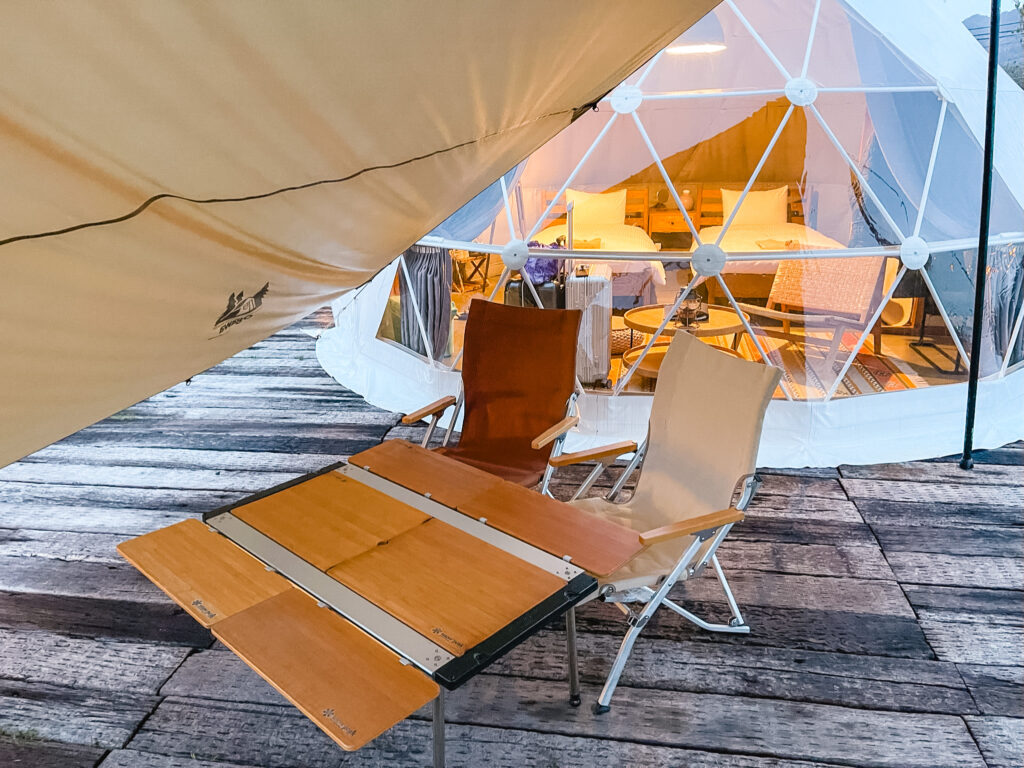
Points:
[[329, 715], [240, 308], [441, 633], [198, 605]]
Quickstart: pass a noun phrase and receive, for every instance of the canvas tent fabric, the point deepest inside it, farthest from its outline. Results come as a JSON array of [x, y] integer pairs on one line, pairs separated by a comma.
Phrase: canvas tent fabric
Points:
[[183, 179], [872, 114]]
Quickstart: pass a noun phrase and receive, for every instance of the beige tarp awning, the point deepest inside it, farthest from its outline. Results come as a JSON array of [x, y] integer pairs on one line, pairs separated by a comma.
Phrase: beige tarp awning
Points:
[[183, 178]]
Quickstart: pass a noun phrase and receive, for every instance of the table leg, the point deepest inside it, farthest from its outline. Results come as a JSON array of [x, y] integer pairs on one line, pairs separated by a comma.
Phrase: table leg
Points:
[[574, 667], [439, 730]]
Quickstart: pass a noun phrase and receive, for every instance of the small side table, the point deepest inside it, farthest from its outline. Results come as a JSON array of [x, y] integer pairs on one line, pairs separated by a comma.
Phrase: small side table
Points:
[[721, 321]]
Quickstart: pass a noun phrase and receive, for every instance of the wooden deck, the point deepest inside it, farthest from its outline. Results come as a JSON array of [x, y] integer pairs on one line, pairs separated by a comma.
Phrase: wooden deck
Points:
[[886, 606]]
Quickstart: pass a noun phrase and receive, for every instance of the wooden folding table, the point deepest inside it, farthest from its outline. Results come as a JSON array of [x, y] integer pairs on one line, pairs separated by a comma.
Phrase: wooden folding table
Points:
[[363, 591]]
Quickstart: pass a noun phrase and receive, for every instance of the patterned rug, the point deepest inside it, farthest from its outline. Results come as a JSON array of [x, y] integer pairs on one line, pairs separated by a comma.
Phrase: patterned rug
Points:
[[808, 377]]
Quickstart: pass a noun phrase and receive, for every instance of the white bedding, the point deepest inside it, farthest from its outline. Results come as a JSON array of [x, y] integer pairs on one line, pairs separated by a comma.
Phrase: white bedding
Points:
[[745, 239], [614, 237]]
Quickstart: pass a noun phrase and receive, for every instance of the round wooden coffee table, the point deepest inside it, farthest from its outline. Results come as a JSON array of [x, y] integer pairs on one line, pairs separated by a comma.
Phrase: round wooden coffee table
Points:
[[722, 321]]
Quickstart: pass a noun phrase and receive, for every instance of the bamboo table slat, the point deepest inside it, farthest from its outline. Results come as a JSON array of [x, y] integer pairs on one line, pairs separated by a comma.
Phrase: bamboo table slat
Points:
[[596, 545], [202, 571], [447, 481], [329, 518], [457, 601], [346, 682]]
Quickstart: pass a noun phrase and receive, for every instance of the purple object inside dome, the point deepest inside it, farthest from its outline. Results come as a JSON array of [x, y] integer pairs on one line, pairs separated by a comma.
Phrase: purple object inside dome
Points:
[[540, 270]]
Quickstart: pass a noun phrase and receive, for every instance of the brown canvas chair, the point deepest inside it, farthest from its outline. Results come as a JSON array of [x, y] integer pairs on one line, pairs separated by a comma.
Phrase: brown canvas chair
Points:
[[831, 295], [701, 448], [518, 382]]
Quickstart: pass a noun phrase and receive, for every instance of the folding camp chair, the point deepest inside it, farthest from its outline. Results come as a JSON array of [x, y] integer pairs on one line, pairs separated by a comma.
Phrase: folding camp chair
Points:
[[518, 382], [702, 446]]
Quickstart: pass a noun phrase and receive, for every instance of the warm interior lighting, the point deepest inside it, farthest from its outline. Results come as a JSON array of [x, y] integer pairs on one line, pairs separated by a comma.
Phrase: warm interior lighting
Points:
[[687, 50]]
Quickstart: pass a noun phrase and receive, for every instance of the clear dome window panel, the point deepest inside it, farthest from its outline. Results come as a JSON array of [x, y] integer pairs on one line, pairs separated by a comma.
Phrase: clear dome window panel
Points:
[[606, 207], [850, 53], [835, 209], [784, 26], [889, 137], [953, 207], [718, 54], [952, 275]]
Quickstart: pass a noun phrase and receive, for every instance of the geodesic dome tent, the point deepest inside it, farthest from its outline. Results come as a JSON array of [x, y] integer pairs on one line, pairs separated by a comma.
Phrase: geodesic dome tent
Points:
[[814, 170]]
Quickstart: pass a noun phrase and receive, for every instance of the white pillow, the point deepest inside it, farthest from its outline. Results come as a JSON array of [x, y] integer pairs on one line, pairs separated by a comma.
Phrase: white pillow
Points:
[[593, 211], [768, 206]]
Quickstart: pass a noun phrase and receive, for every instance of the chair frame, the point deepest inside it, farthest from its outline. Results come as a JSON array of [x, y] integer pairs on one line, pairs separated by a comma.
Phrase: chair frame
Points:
[[709, 531]]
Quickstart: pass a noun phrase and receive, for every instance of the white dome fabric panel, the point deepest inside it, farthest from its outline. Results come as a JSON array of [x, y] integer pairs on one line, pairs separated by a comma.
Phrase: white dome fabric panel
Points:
[[183, 179]]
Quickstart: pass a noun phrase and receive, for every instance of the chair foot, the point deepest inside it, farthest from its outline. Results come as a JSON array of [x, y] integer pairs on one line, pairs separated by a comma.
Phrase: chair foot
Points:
[[600, 709], [575, 701]]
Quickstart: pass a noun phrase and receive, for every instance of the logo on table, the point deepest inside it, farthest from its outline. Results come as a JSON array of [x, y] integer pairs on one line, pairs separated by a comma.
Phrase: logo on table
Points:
[[444, 635], [201, 608], [240, 308], [329, 715]]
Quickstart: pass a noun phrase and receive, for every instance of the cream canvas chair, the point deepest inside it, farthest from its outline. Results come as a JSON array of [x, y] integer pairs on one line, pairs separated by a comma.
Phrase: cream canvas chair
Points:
[[701, 449]]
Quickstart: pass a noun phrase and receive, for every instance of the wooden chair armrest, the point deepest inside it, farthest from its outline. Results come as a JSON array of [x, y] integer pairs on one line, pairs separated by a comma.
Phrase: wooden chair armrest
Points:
[[828, 321], [560, 428], [691, 526], [593, 454], [428, 410]]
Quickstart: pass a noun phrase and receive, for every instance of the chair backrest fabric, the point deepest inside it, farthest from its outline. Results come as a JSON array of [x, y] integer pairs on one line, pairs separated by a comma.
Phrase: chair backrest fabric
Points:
[[705, 429], [519, 369]]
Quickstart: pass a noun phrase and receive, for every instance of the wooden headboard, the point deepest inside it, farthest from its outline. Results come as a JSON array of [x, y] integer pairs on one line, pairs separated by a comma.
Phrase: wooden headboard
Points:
[[709, 202], [638, 204]]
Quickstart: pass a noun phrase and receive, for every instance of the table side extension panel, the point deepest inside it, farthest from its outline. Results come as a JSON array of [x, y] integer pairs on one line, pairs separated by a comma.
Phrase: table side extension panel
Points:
[[351, 686]]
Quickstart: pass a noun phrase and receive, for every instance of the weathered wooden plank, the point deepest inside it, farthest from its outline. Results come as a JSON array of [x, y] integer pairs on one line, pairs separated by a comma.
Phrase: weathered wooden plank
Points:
[[933, 472], [797, 531], [967, 605], [32, 753], [130, 455], [794, 731], [864, 562], [159, 622], [803, 592], [129, 758], [965, 513], [975, 642], [986, 541], [56, 495], [60, 545], [794, 628], [144, 477], [111, 581], [997, 690], [71, 715], [942, 493], [76, 662], [958, 570], [1001, 740], [124, 522], [251, 734], [339, 444]]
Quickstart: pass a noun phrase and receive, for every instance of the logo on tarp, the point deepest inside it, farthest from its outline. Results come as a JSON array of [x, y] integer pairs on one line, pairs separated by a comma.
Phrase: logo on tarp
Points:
[[240, 308]]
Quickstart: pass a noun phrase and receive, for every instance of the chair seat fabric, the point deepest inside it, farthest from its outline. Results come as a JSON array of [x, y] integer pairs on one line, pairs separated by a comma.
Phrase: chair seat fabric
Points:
[[521, 470], [650, 566]]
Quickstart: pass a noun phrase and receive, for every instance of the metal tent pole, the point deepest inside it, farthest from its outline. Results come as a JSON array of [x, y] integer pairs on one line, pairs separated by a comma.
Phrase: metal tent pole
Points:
[[966, 461]]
